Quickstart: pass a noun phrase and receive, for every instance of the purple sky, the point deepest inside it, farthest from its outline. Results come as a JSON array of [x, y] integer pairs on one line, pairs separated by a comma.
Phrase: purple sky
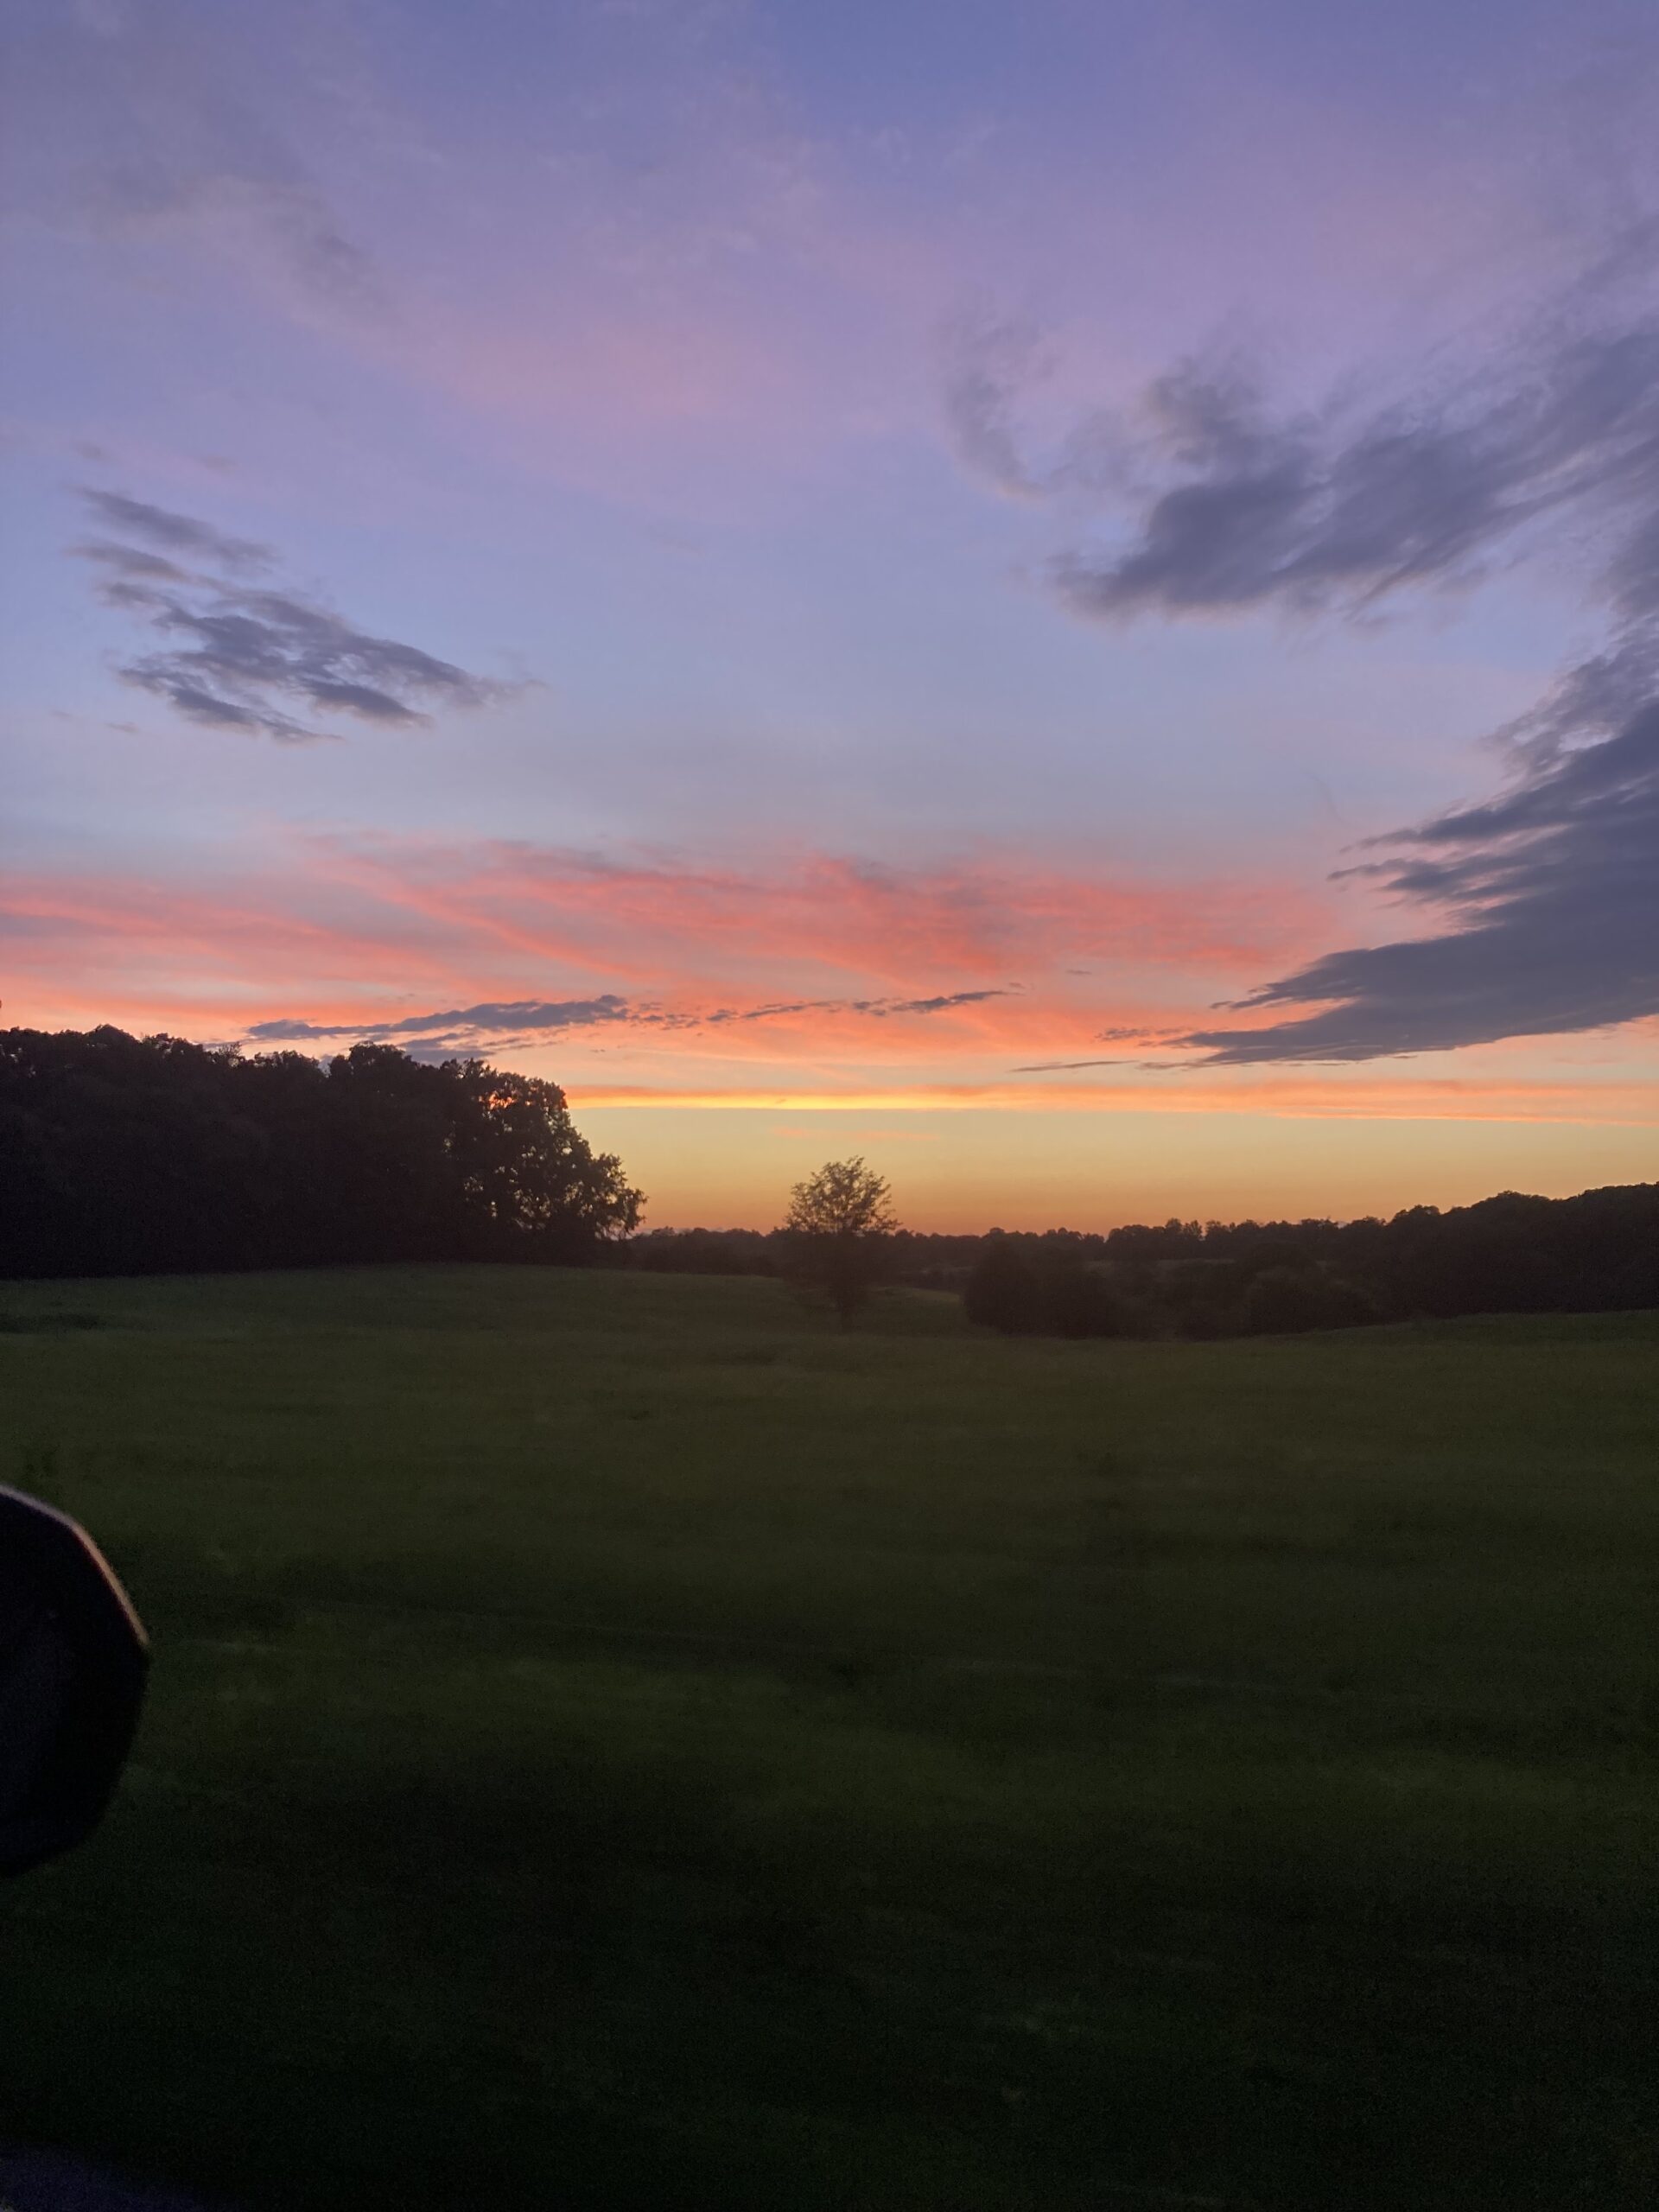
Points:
[[1065, 594]]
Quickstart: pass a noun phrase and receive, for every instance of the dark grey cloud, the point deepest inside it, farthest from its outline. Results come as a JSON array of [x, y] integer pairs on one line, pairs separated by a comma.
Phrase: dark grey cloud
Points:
[[1207, 498], [1543, 902], [1246, 508], [522, 1015], [1539, 909], [243, 655], [941, 1004], [467, 1026], [1551, 897]]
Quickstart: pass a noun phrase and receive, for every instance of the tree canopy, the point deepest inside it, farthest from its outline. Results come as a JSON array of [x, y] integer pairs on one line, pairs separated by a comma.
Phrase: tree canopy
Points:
[[839, 1225], [125, 1155]]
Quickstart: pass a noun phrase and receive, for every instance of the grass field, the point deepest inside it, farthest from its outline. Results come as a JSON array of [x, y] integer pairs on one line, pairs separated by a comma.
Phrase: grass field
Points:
[[615, 1742]]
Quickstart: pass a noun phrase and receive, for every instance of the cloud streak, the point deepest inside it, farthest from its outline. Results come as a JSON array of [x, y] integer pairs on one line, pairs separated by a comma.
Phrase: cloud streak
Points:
[[175, 534], [516, 1014], [517, 1019], [240, 655]]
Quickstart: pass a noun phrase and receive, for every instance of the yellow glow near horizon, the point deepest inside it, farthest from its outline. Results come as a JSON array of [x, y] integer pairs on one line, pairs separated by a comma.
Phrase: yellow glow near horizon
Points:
[[969, 1167], [1331, 1096]]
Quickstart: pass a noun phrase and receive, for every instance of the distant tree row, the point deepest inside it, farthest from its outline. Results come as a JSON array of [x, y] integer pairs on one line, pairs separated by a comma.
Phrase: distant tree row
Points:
[[1597, 1252], [120, 1155], [1047, 1286], [921, 1263]]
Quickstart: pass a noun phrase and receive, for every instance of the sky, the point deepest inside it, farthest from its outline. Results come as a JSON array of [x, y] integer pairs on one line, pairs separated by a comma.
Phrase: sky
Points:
[[1064, 597]]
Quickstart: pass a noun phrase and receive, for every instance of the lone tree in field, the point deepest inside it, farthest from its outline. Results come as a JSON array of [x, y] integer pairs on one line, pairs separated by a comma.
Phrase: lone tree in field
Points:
[[839, 1225]]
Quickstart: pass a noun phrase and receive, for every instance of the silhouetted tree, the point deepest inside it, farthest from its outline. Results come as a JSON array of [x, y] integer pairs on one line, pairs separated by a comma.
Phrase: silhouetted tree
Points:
[[530, 1186], [840, 1227], [120, 1155]]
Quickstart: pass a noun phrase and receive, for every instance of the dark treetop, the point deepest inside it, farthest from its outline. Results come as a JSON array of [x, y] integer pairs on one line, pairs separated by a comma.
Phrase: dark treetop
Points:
[[122, 1155]]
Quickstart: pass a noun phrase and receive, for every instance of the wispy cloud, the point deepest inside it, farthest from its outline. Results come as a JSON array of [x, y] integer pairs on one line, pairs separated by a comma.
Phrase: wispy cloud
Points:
[[239, 655], [989, 362], [880, 1008], [156, 120], [177, 534]]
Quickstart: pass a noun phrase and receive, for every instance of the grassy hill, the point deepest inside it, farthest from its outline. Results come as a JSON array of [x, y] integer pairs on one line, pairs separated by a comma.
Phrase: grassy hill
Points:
[[616, 1741]]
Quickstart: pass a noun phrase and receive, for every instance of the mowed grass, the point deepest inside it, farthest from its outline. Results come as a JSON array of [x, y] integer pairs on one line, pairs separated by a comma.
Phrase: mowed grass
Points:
[[614, 1741]]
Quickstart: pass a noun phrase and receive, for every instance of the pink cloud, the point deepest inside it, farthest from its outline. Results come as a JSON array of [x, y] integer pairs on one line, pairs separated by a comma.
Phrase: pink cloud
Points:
[[811, 958], [831, 916]]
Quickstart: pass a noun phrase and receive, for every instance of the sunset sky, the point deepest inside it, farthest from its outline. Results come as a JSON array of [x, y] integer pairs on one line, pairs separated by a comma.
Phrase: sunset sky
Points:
[[1061, 594]]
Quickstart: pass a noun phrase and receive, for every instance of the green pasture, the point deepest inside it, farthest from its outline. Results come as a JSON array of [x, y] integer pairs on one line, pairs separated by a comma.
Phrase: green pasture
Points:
[[616, 1741]]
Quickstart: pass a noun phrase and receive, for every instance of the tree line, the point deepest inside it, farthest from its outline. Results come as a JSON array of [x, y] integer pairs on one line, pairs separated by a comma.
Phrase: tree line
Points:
[[122, 1155], [1511, 1254]]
